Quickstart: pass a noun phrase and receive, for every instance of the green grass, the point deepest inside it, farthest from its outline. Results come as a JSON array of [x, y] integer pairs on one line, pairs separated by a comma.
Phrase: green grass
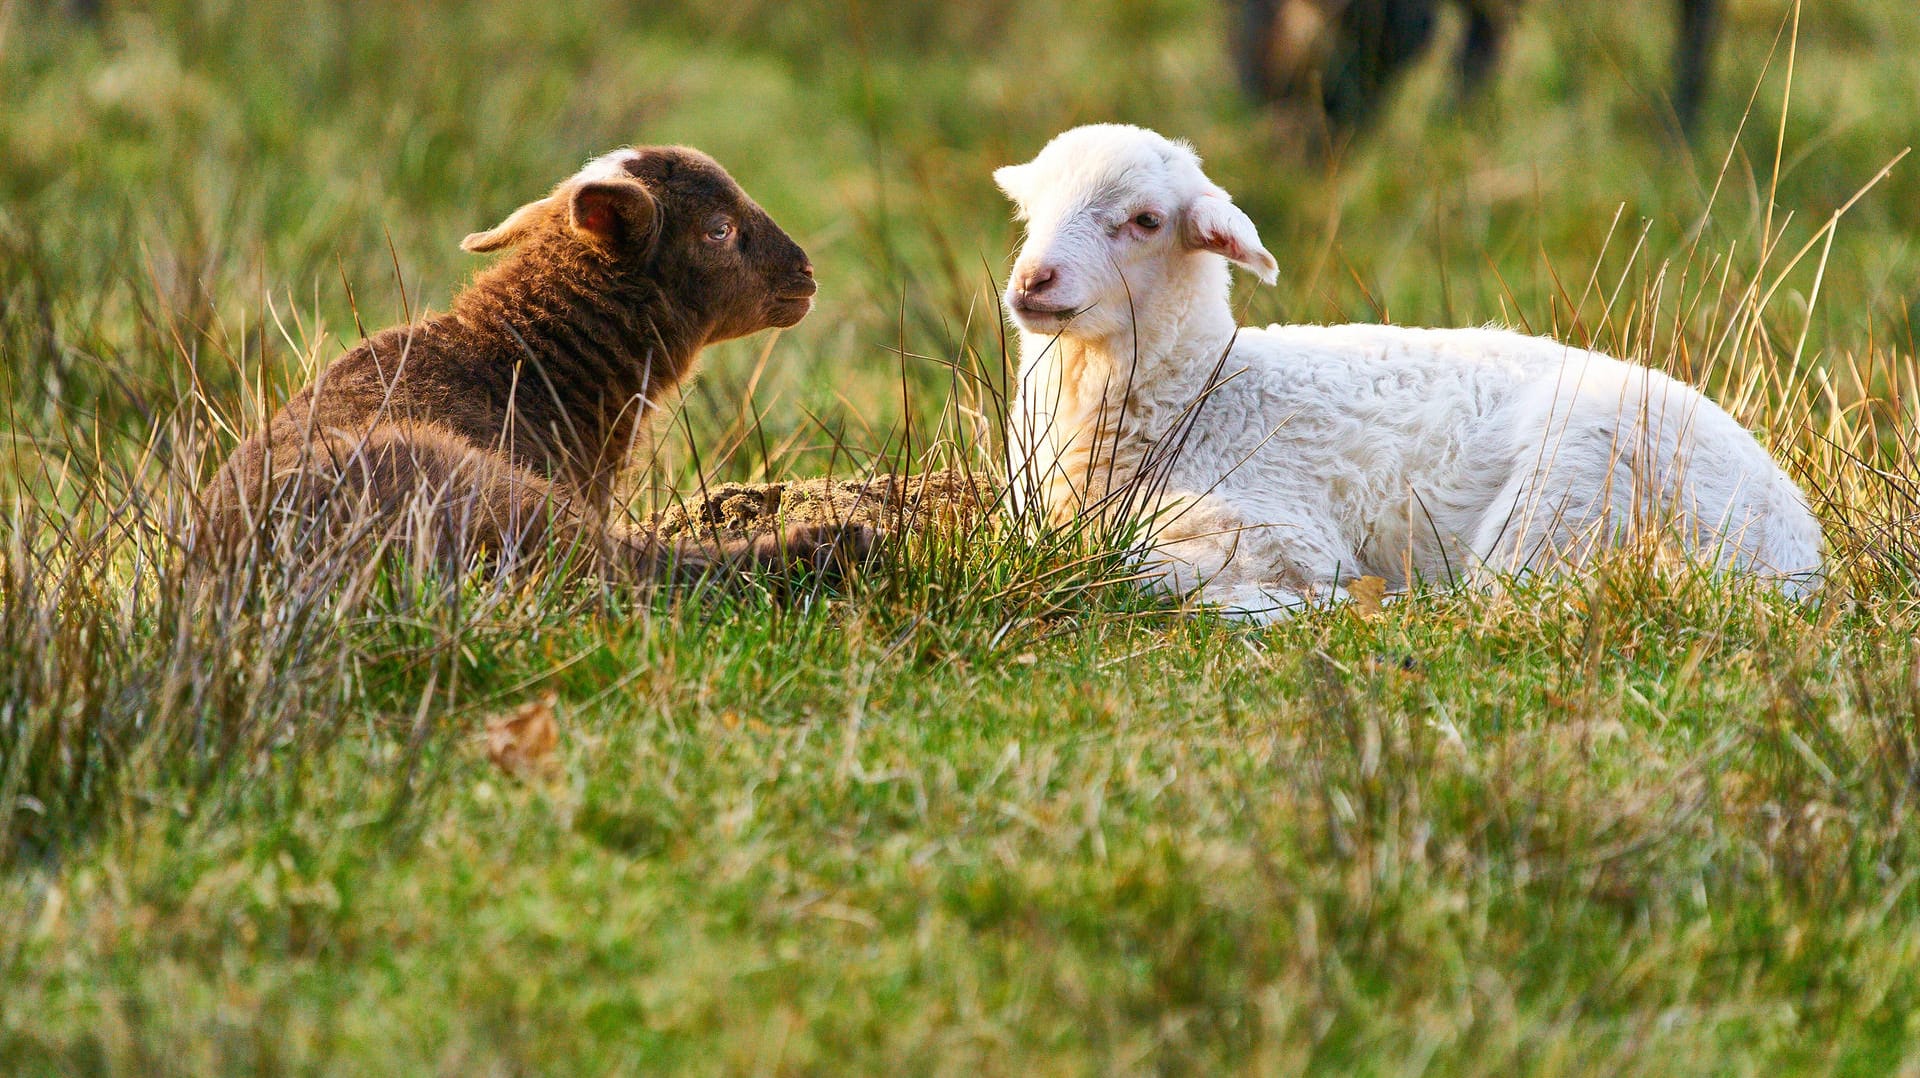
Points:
[[989, 810]]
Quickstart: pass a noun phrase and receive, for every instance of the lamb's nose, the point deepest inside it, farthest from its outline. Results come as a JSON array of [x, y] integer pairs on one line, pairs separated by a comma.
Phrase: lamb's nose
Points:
[[806, 269], [1035, 281]]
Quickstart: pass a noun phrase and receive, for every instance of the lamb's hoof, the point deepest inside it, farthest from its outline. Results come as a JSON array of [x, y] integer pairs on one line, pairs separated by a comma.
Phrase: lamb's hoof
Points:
[[828, 549]]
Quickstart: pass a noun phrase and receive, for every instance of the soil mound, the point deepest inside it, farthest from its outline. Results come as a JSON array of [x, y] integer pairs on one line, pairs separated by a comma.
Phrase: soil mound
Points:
[[888, 503]]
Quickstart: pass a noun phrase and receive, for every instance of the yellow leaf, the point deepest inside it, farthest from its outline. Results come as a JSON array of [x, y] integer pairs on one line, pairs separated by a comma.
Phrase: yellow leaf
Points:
[[522, 743], [1368, 593]]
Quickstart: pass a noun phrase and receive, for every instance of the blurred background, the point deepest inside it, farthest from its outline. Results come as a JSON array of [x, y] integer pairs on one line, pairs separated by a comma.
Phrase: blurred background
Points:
[[201, 200]]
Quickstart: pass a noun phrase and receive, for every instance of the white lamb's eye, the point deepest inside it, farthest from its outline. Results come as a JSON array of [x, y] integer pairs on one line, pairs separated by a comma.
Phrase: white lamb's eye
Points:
[[1147, 221]]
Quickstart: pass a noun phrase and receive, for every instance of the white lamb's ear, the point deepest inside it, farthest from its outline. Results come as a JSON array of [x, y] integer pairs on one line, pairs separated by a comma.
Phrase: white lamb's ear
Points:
[[1013, 179], [507, 232], [1214, 223]]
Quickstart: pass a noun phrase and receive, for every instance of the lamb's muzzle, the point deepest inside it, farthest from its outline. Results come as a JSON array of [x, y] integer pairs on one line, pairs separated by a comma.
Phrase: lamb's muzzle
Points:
[[1028, 285]]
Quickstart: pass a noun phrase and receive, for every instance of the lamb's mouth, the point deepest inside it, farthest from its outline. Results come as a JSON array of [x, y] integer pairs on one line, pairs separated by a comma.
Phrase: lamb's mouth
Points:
[[1041, 313], [789, 310]]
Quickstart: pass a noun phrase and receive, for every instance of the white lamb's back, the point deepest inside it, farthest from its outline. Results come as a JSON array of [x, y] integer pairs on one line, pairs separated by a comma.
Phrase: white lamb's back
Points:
[[1451, 376], [1414, 347], [1390, 401]]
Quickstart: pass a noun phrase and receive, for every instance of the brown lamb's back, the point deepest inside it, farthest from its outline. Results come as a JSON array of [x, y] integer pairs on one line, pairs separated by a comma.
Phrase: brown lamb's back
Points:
[[500, 426]]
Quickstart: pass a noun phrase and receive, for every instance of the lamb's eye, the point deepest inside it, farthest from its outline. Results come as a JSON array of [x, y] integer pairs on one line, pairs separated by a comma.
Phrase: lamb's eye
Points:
[[719, 231], [1148, 222]]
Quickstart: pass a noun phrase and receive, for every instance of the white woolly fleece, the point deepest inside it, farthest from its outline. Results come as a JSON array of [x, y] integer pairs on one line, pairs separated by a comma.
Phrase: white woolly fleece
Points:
[[1308, 456]]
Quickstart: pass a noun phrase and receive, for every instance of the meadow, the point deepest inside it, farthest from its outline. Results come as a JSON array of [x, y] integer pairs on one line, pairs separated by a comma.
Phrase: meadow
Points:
[[987, 808]]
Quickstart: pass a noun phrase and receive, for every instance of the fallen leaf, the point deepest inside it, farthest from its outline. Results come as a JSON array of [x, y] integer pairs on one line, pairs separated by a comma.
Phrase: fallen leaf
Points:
[[522, 743], [1369, 594]]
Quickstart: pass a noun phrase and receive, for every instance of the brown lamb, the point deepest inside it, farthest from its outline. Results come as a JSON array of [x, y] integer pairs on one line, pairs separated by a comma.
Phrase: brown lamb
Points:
[[499, 427]]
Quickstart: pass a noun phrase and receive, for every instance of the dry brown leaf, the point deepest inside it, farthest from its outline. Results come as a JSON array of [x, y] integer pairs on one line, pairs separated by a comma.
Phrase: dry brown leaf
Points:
[[522, 743], [1369, 595]]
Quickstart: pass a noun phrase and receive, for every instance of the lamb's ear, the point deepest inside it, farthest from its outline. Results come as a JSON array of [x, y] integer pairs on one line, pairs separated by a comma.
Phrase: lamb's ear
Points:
[[611, 213], [1214, 223], [1013, 181], [507, 232]]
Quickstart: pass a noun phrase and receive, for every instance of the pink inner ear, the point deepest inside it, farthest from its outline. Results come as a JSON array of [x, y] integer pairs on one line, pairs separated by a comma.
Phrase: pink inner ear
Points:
[[1216, 225], [1223, 243], [595, 217], [1210, 232]]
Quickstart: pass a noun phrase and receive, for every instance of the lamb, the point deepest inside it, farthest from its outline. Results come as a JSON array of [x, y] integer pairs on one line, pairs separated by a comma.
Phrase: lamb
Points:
[[1268, 468], [500, 427]]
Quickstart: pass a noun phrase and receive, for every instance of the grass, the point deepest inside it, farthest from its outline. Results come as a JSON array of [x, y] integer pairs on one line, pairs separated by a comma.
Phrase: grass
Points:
[[990, 810]]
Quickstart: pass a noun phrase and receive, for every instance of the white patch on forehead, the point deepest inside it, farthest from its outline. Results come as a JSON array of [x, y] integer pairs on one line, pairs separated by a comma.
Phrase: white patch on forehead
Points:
[[609, 166]]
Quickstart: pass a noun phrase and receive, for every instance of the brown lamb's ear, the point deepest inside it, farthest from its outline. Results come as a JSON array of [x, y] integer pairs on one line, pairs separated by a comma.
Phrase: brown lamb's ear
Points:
[[507, 232], [612, 213]]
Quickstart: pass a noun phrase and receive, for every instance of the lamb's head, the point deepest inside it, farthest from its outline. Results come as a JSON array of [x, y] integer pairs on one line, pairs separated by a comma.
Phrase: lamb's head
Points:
[[672, 216], [1119, 221]]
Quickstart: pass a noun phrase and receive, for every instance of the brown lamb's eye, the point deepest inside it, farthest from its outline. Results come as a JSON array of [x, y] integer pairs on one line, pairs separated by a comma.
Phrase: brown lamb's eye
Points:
[[720, 231], [1148, 221]]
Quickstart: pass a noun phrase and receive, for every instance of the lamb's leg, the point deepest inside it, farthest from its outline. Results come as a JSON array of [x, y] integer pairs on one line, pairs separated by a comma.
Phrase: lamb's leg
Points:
[[1563, 507], [1377, 41], [1693, 59], [1261, 573], [1268, 604], [1525, 529]]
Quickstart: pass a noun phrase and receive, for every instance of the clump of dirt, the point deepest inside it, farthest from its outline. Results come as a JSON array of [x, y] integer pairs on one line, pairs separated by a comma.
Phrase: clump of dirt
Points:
[[945, 500]]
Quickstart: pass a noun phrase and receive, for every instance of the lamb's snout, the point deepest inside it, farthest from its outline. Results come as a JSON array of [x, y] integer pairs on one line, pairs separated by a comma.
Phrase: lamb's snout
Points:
[[1030, 285], [1035, 280], [801, 285]]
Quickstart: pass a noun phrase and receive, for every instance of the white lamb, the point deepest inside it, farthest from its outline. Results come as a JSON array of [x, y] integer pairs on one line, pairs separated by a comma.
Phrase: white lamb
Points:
[[1272, 466]]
